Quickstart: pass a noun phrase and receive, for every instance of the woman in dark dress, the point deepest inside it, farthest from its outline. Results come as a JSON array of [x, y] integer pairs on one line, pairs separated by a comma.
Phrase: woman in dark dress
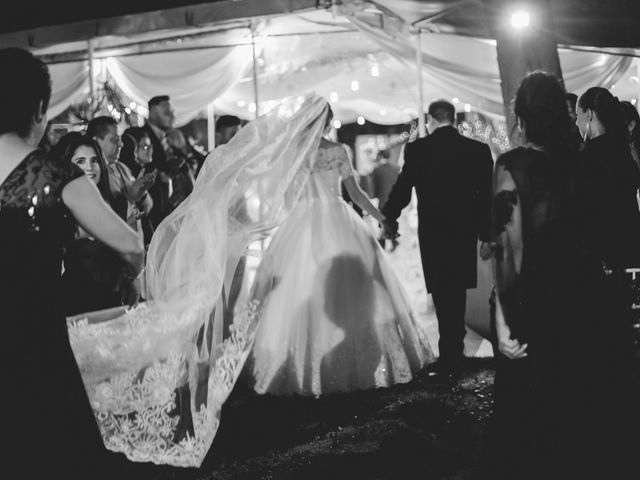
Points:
[[48, 423], [92, 271], [613, 178], [560, 386]]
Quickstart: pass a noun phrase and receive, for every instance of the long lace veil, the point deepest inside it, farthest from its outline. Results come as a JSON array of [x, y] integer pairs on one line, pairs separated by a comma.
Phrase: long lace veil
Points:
[[157, 375]]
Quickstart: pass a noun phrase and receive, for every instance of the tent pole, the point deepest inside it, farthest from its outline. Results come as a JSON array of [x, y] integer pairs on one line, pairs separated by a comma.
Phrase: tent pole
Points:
[[255, 70], [638, 75], [422, 131], [92, 77], [211, 128], [257, 114]]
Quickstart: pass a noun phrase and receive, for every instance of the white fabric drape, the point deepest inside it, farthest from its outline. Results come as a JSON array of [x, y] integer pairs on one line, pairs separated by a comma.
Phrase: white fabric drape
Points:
[[381, 61], [158, 375], [192, 79], [70, 82]]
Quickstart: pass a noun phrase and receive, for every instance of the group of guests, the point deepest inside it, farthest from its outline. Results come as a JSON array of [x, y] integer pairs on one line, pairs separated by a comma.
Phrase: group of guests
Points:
[[143, 174], [566, 225]]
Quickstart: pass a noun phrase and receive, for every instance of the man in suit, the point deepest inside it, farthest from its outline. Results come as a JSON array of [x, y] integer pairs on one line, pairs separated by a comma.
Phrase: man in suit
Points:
[[380, 182], [160, 121], [452, 175]]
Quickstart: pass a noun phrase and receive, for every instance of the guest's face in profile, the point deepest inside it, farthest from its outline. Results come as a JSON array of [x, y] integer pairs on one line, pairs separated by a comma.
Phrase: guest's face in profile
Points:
[[583, 119], [228, 133], [163, 115], [86, 158], [110, 144]]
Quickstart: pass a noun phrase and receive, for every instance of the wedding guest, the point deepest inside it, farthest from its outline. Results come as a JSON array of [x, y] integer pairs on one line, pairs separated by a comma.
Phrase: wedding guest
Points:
[[575, 136], [160, 121], [182, 161], [137, 150], [380, 182], [52, 427], [136, 154], [131, 197], [226, 128], [92, 270], [615, 178], [561, 409], [632, 120]]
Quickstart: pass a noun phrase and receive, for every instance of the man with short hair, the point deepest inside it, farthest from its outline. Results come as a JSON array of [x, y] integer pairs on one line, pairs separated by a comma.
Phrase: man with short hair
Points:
[[226, 127], [380, 182], [452, 175], [160, 121], [131, 199]]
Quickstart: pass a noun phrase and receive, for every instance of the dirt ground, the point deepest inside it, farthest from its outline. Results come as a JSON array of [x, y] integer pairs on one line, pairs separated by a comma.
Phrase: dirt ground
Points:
[[423, 429]]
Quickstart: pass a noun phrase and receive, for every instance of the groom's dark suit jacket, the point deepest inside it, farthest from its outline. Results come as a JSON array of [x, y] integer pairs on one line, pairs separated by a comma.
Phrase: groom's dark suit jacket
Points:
[[452, 175]]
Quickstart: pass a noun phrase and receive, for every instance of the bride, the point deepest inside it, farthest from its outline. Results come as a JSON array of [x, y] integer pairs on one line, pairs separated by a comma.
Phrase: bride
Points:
[[337, 318], [326, 311]]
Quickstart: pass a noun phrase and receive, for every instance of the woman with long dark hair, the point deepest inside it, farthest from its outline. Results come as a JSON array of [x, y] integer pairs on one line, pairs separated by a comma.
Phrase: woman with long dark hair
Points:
[[559, 331], [91, 277]]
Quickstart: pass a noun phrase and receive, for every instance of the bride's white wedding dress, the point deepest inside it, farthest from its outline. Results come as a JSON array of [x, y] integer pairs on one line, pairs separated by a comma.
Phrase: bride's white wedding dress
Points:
[[157, 375], [337, 319]]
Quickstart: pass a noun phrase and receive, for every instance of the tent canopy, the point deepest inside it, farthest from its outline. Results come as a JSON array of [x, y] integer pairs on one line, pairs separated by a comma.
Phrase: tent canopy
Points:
[[359, 55], [602, 23]]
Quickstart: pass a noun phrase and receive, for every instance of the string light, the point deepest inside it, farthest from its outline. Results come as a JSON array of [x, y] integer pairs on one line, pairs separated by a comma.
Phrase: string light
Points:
[[337, 124], [486, 131], [360, 120], [383, 111], [455, 99], [252, 107], [333, 96], [241, 103], [375, 71], [355, 85]]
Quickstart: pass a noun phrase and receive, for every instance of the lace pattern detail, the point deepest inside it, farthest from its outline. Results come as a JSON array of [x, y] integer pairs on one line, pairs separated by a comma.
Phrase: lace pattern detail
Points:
[[332, 158], [137, 411]]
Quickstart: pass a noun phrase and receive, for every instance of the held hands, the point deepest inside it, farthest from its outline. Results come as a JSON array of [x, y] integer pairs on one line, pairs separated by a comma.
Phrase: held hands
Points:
[[390, 229], [509, 347]]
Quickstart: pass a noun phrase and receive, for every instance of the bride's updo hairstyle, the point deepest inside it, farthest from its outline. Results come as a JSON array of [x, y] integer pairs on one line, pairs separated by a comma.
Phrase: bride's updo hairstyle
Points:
[[541, 109], [607, 108], [24, 83]]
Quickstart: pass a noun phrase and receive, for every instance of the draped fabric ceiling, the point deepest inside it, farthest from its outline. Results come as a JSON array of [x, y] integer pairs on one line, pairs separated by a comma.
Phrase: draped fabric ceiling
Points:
[[361, 56]]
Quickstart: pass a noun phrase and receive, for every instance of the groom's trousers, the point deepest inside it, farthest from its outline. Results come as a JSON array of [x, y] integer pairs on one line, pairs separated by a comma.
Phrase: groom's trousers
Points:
[[450, 302]]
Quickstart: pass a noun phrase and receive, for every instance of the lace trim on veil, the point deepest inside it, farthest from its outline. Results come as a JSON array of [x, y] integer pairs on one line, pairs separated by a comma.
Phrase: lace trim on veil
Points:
[[158, 374]]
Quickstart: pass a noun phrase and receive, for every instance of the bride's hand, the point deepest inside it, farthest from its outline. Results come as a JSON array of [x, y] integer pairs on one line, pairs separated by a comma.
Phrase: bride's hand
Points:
[[510, 347]]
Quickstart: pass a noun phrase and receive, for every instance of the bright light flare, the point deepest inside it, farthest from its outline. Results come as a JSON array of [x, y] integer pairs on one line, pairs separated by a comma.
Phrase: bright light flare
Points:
[[520, 19]]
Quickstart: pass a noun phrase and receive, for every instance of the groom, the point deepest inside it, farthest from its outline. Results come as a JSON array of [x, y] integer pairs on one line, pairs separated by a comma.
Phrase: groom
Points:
[[452, 175]]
